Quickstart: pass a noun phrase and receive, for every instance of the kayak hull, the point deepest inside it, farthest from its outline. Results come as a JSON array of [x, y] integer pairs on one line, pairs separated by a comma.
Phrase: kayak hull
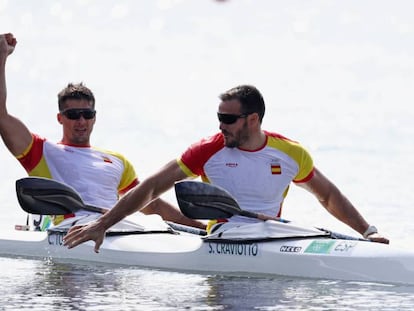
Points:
[[310, 257]]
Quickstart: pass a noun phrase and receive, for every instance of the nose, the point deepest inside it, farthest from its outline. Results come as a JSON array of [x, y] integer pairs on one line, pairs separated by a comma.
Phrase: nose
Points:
[[82, 119]]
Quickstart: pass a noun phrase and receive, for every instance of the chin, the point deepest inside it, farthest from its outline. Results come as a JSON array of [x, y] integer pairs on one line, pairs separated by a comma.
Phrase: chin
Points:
[[80, 141]]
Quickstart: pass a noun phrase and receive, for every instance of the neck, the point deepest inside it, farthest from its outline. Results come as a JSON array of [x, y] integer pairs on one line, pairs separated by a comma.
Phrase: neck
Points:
[[255, 141]]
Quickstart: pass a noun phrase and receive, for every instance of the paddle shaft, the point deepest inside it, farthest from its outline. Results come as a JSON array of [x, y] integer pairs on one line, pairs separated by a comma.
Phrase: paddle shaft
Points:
[[332, 233]]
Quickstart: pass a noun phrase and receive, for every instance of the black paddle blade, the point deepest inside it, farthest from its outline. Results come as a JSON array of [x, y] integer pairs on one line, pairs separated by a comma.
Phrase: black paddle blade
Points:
[[199, 200], [43, 196]]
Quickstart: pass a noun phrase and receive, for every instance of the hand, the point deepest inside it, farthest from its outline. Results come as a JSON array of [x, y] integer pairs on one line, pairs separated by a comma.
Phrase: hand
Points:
[[7, 43], [80, 234], [266, 217], [375, 237]]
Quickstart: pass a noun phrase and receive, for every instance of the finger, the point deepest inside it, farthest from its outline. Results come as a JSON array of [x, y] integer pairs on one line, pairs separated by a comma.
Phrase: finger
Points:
[[72, 232], [75, 241], [379, 239], [74, 229], [72, 238], [98, 244], [11, 40], [385, 241], [68, 239]]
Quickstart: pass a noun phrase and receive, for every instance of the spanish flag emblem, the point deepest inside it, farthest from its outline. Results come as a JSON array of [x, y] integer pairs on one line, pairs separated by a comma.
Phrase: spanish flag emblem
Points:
[[276, 169]]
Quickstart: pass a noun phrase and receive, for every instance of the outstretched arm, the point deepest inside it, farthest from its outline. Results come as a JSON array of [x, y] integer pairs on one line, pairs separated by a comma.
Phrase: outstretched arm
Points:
[[338, 205], [148, 190], [14, 133], [169, 212]]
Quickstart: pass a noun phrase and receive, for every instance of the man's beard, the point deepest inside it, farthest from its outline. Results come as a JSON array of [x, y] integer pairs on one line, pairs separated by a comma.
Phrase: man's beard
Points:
[[240, 137]]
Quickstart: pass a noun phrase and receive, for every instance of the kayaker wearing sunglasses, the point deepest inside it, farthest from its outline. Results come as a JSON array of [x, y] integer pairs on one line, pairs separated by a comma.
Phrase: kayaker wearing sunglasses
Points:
[[100, 176], [255, 166]]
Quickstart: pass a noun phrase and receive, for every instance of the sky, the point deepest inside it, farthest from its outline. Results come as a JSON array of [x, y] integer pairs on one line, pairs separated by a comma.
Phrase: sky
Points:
[[336, 76]]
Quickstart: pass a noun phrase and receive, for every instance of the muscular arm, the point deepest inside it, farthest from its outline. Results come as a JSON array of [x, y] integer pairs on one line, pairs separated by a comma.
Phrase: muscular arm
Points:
[[337, 204], [14, 133], [148, 190], [169, 212]]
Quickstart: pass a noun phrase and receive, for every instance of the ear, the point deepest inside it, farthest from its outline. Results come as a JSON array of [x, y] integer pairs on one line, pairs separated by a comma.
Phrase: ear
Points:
[[254, 118], [59, 118]]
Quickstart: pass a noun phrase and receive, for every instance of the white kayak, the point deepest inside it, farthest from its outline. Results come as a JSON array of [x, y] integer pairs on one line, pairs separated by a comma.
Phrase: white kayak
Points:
[[291, 253], [261, 247]]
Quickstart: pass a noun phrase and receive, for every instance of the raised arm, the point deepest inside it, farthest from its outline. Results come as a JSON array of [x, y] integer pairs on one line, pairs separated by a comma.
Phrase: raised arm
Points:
[[338, 205], [14, 133], [148, 190]]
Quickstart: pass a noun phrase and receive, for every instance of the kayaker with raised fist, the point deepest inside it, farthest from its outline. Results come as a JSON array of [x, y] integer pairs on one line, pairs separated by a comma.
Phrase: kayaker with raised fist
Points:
[[255, 166], [100, 176]]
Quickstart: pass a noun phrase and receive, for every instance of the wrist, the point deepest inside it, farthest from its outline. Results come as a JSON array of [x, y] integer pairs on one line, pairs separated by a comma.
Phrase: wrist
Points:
[[370, 230], [104, 222]]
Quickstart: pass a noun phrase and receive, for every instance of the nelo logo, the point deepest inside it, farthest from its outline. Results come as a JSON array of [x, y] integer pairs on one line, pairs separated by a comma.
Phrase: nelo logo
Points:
[[290, 249]]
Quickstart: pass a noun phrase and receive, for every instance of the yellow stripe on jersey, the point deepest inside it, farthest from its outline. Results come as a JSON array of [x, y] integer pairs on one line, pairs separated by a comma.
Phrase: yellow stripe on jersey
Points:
[[128, 174], [26, 151], [185, 169], [296, 152], [41, 169]]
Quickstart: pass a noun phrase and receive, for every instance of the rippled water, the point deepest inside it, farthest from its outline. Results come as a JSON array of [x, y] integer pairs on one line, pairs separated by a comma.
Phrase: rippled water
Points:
[[40, 285]]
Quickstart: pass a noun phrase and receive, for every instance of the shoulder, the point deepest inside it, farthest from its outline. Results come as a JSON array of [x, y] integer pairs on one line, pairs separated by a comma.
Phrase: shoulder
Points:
[[194, 158], [278, 141], [210, 143], [216, 139], [35, 146], [295, 151], [37, 137], [279, 137]]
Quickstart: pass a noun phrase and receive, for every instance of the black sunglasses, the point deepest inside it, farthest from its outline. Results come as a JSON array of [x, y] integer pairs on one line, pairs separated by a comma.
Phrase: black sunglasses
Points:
[[230, 118], [75, 114]]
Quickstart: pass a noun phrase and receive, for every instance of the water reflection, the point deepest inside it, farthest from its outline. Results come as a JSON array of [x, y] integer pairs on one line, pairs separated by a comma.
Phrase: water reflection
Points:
[[39, 285], [283, 293]]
